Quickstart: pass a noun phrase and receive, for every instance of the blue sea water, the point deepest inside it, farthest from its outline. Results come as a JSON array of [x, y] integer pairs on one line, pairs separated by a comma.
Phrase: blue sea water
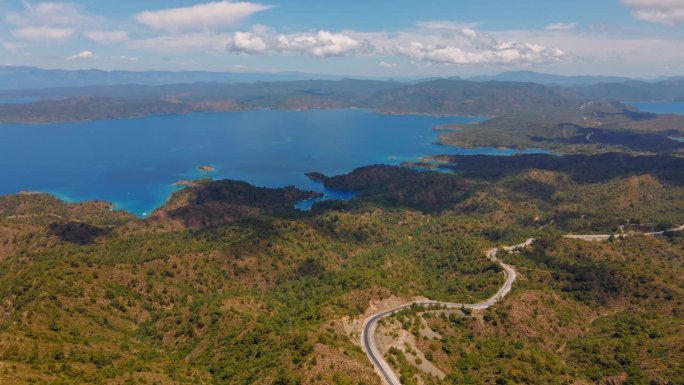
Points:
[[135, 163], [676, 108], [661, 107]]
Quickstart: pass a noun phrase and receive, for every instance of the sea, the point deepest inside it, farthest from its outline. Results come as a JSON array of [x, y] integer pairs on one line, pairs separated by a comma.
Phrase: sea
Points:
[[135, 163], [676, 108]]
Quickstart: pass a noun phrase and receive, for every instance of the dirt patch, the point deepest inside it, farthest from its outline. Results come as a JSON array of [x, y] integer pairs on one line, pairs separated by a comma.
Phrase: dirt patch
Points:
[[243, 305], [6, 244], [392, 335], [330, 363], [353, 327]]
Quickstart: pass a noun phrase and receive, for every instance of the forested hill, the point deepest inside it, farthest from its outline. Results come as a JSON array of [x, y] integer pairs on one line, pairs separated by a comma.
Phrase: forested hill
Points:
[[532, 101], [228, 284], [476, 98], [432, 97]]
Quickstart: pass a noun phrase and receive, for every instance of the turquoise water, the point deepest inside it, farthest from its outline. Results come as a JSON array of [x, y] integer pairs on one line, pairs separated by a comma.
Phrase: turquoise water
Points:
[[135, 163], [660, 107], [328, 194]]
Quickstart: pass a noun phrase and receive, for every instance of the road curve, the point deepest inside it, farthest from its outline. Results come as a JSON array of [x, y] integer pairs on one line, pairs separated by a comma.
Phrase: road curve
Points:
[[371, 323], [605, 237]]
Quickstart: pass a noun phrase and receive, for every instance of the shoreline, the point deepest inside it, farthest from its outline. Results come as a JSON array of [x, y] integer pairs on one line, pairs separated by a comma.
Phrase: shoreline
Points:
[[239, 110], [327, 194]]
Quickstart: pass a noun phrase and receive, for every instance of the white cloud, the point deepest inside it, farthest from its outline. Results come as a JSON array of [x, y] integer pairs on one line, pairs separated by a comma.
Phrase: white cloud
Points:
[[320, 44], [248, 43], [127, 58], [54, 14], [561, 26], [107, 37], [503, 53], [43, 33], [432, 43], [385, 64], [598, 52], [48, 21], [85, 55], [199, 17], [466, 46], [668, 12]]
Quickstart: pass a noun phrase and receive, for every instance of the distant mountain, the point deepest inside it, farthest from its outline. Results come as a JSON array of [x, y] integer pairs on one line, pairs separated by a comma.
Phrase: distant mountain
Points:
[[130, 101], [264, 93], [499, 98], [14, 78], [636, 91], [550, 79], [440, 96]]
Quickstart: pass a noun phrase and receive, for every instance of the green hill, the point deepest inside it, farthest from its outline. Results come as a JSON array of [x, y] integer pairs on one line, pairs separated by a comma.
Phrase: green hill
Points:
[[227, 284]]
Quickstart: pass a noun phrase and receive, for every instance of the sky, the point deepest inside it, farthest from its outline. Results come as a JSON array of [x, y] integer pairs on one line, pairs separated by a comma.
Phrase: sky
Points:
[[370, 38]]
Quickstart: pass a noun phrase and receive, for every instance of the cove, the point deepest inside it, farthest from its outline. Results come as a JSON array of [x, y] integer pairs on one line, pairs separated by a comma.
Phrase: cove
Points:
[[135, 163], [676, 108]]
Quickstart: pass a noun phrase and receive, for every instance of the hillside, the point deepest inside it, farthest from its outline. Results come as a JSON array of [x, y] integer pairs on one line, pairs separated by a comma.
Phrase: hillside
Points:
[[129, 101], [528, 104], [228, 284], [550, 79], [635, 91], [476, 98]]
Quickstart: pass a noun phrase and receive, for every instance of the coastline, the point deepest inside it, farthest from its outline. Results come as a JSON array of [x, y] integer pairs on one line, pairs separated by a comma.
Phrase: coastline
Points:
[[34, 122]]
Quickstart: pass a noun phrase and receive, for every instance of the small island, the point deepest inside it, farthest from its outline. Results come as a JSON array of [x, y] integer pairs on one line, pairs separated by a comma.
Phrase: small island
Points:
[[206, 168]]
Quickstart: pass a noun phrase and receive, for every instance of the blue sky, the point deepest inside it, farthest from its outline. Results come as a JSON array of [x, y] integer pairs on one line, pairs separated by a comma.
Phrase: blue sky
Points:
[[400, 38]]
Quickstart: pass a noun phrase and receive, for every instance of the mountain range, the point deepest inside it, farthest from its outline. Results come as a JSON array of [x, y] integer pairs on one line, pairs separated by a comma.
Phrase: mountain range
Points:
[[24, 77]]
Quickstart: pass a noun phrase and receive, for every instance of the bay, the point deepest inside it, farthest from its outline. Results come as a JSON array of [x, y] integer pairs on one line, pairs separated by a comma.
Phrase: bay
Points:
[[676, 108], [135, 163]]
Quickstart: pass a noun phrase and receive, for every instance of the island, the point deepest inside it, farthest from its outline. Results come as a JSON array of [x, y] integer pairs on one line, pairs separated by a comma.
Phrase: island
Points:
[[206, 168]]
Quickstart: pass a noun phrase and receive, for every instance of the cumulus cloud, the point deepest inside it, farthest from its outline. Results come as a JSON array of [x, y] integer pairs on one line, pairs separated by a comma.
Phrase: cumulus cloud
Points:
[[668, 12], [467, 46], [43, 33], [199, 17], [561, 26], [385, 64], [434, 43], [107, 37], [505, 53], [85, 55], [319, 44]]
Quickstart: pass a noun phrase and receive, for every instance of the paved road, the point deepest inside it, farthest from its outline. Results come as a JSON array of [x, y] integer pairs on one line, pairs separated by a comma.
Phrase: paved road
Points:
[[371, 324], [605, 237]]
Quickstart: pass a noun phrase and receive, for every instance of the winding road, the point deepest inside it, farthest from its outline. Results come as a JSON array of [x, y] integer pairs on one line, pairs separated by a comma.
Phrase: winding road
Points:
[[371, 324], [605, 237]]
